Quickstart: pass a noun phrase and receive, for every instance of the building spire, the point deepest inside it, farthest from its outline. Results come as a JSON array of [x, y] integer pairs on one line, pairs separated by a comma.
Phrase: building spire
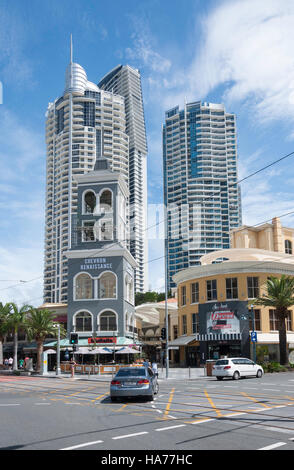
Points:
[[71, 49]]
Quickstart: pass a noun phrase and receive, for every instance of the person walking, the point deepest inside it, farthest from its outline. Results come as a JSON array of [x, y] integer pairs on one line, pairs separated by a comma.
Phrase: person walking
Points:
[[6, 363], [21, 362], [10, 363], [155, 368]]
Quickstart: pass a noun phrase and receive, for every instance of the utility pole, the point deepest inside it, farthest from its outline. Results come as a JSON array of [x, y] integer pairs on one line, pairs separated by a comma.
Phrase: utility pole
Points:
[[57, 325], [253, 326]]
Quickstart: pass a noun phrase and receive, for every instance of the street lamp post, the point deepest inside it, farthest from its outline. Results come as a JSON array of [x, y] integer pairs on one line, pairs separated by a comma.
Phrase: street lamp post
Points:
[[253, 327], [57, 325]]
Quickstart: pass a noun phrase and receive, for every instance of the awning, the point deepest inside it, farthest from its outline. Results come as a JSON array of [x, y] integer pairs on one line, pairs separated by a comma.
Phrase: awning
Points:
[[182, 340], [127, 351]]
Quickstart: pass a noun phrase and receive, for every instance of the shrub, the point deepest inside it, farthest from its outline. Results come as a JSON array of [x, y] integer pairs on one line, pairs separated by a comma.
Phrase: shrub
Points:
[[16, 372], [273, 367]]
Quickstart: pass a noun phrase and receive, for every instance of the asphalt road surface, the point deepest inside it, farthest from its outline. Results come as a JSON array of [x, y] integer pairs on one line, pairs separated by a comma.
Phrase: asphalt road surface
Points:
[[202, 414]]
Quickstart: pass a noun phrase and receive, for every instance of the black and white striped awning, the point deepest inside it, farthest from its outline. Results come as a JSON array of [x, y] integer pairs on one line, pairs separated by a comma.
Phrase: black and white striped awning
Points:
[[218, 337]]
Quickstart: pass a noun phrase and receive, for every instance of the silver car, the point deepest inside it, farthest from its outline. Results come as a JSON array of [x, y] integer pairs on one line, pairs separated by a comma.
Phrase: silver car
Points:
[[134, 382]]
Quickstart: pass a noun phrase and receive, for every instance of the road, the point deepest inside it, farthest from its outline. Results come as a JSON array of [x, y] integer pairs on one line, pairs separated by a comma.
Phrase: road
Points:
[[201, 414]]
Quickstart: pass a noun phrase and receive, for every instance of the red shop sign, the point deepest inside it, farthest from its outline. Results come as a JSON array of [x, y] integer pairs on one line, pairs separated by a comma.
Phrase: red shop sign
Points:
[[107, 339]]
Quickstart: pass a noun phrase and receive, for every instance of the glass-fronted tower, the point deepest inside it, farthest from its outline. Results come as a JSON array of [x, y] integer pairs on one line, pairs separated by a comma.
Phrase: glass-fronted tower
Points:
[[81, 126], [201, 192], [126, 81]]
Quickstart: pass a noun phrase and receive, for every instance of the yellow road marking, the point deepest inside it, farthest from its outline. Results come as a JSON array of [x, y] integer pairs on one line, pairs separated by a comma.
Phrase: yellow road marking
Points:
[[212, 404], [171, 396], [100, 396], [254, 399], [122, 407]]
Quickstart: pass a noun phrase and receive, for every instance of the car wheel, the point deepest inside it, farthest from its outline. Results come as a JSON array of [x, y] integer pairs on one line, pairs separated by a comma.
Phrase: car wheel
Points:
[[219, 378], [150, 398], [236, 375], [259, 374]]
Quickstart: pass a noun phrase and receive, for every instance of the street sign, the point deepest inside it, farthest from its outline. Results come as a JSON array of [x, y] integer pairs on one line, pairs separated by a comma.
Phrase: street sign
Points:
[[253, 337]]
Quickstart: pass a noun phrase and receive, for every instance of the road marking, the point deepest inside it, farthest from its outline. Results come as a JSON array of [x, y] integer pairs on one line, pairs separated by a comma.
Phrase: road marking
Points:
[[82, 445], [121, 408], [273, 446], [219, 414], [254, 399], [130, 435], [171, 396], [43, 404], [10, 404], [100, 396], [171, 427]]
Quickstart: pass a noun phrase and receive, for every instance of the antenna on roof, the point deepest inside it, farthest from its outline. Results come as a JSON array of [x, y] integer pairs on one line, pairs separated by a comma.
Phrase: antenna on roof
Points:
[[71, 49]]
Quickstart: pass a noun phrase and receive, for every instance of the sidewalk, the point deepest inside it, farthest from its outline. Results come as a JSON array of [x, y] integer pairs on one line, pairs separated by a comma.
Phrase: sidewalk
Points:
[[173, 374]]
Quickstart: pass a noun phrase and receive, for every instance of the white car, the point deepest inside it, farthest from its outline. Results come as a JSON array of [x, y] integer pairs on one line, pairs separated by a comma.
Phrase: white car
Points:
[[236, 367]]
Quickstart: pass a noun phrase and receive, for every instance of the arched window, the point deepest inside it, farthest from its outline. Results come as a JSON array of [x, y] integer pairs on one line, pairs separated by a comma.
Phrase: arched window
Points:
[[107, 286], [106, 201], [83, 321], [108, 321], [129, 289], [288, 247], [83, 287], [89, 202]]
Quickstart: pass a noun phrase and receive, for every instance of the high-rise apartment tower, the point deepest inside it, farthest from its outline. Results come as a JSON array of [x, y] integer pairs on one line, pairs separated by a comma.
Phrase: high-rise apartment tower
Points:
[[126, 81], [201, 192]]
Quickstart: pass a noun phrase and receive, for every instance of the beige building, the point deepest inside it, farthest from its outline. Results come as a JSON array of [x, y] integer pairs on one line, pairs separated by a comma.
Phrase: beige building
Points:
[[271, 237]]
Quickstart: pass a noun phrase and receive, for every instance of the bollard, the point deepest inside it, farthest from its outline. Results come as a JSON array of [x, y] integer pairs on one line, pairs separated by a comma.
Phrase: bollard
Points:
[[72, 371]]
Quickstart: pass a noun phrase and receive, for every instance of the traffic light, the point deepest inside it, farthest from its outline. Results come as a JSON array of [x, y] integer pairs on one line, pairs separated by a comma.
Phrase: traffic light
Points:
[[74, 338], [163, 333]]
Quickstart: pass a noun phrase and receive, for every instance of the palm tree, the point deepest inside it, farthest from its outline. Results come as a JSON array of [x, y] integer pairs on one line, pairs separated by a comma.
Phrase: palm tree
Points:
[[4, 327], [39, 325], [280, 296], [16, 320]]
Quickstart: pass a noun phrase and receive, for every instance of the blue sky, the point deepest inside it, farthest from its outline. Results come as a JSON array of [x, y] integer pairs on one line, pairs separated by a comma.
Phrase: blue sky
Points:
[[238, 52]]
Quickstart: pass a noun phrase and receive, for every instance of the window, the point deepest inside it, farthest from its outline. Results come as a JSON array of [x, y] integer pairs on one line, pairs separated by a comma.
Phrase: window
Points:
[[83, 321], [252, 287], [129, 289], [232, 288], [108, 321], [194, 292], [184, 324], [106, 201], [211, 290], [195, 323], [257, 321], [107, 286], [88, 232], [83, 287], [183, 295], [106, 229], [288, 247], [89, 202], [175, 328], [274, 322]]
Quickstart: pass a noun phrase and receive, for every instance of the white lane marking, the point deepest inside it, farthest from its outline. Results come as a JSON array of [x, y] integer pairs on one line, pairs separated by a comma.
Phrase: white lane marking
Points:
[[130, 435], [273, 446], [280, 406], [171, 427], [235, 414], [43, 404], [203, 421], [10, 404], [272, 389], [86, 444]]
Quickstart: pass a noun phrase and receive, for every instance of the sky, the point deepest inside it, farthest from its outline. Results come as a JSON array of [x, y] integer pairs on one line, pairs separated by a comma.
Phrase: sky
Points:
[[236, 52]]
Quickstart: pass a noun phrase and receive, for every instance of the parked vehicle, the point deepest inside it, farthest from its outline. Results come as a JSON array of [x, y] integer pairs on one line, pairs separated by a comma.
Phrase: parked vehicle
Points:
[[236, 368], [134, 382]]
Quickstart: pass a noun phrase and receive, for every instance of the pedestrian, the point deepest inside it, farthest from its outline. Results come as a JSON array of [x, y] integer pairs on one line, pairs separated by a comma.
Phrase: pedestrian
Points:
[[21, 362], [154, 368], [146, 363], [6, 362], [10, 363], [26, 362]]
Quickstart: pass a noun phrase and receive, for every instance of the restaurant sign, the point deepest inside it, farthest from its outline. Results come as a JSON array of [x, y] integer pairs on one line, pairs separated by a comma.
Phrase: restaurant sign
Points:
[[102, 340]]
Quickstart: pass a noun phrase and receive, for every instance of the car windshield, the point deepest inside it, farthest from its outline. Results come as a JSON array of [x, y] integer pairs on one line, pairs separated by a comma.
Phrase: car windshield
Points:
[[222, 362], [134, 372]]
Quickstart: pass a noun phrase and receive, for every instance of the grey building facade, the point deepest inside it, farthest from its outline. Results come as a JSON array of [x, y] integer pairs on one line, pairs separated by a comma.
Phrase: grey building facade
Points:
[[100, 266]]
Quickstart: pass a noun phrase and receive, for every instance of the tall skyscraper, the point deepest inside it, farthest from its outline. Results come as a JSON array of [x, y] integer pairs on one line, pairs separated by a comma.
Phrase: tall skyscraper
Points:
[[84, 124], [201, 192], [126, 81]]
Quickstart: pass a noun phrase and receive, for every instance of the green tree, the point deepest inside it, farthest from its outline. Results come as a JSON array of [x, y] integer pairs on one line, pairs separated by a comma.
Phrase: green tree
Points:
[[4, 326], [280, 296], [16, 321], [39, 325]]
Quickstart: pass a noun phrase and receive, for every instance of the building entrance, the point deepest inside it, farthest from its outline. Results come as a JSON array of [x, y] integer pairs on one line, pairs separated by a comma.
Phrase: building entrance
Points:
[[225, 348]]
